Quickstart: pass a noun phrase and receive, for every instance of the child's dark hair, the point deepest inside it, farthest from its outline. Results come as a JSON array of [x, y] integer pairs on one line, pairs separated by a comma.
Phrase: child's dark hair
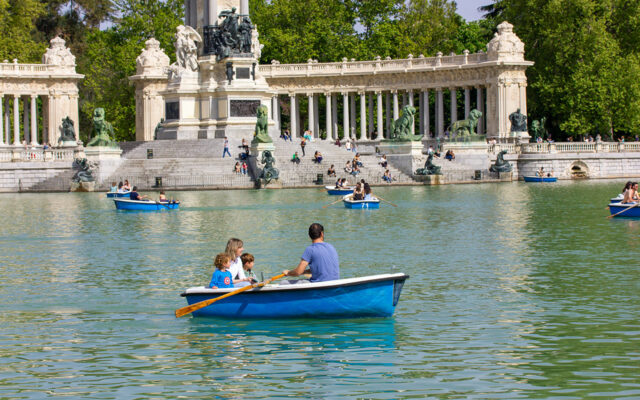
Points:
[[246, 258], [221, 259]]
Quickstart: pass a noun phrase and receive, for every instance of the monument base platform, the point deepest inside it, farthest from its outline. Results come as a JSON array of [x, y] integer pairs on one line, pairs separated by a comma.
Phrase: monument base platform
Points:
[[83, 186]]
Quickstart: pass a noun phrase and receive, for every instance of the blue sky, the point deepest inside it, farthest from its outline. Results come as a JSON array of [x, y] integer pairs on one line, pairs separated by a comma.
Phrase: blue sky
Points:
[[469, 8]]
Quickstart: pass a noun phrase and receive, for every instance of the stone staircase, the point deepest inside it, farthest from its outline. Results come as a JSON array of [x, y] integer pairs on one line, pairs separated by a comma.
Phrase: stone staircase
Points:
[[306, 173]]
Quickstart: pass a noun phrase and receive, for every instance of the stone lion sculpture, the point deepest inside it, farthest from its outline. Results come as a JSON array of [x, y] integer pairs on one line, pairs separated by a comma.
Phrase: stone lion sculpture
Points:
[[468, 126], [501, 164], [401, 128], [261, 134], [102, 130], [269, 172], [429, 167]]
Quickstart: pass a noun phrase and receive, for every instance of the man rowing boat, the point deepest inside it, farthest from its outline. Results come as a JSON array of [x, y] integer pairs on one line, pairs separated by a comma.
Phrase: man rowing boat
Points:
[[320, 257]]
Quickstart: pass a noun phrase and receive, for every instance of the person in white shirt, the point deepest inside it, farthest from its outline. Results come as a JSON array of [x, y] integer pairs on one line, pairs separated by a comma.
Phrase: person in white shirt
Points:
[[234, 250]]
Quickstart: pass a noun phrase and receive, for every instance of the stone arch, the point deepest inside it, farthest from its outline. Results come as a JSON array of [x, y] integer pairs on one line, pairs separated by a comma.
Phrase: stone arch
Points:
[[578, 170]]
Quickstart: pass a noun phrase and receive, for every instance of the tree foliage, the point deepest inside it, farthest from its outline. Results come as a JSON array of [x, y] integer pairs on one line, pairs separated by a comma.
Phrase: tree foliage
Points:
[[17, 30], [111, 59]]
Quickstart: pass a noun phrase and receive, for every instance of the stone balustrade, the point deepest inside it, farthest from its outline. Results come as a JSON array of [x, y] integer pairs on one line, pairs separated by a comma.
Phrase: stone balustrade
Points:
[[12, 154], [22, 70], [566, 147]]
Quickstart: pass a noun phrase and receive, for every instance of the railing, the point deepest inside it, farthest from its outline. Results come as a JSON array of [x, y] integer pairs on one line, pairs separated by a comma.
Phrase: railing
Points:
[[19, 69], [565, 147], [18, 154], [276, 69]]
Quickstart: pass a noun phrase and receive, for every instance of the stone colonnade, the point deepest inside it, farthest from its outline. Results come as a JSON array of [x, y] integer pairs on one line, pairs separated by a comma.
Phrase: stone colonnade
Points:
[[30, 90], [374, 122]]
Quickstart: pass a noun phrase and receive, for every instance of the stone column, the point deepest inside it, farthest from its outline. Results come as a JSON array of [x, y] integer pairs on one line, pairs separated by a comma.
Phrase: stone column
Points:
[[370, 129], [413, 126], [275, 112], [454, 106], [329, 123], [311, 110], [293, 124], [426, 116], [213, 12], [480, 105], [522, 87], [387, 125], [363, 116], [298, 121], [467, 102], [345, 115], [352, 116], [1, 121], [439, 113], [316, 113], [421, 112], [25, 119], [396, 112], [334, 115], [16, 120], [187, 12], [34, 120], [380, 121], [7, 122], [244, 7]]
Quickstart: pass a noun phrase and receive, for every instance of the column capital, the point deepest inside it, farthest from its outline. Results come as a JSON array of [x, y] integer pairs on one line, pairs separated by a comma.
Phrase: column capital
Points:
[[16, 96], [34, 96], [328, 94], [378, 92], [393, 91]]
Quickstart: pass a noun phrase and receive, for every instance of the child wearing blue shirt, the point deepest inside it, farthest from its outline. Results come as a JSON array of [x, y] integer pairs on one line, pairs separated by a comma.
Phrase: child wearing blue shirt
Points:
[[221, 277]]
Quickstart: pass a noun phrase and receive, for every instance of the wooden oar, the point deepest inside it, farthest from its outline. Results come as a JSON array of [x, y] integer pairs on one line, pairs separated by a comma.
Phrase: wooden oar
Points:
[[330, 204], [620, 212], [194, 307], [386, 201]]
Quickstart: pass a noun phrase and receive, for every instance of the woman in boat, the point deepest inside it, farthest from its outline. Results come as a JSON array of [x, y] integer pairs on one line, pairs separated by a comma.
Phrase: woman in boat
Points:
[[358, 192], [126, 187], [368, 195], [631, 195], [234, 251], [540, 172], [121, 187], [114, 187]]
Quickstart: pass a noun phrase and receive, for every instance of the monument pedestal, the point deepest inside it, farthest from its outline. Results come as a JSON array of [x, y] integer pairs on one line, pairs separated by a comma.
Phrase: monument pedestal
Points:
[[83, 186], [255, 166], [107, 160], [430, 179], [505, 176], [406, 156]]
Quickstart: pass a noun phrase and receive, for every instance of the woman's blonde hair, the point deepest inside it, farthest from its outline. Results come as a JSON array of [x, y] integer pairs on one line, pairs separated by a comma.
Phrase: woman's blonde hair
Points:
[[232, 247]]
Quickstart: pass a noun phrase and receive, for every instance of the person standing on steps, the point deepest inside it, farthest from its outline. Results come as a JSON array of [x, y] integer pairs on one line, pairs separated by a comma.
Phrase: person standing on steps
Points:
[[226, 148], [303, 143]]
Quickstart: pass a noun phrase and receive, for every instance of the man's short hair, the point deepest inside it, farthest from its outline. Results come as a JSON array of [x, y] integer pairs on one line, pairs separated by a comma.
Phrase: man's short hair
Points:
[[134, 189], [315, 231]]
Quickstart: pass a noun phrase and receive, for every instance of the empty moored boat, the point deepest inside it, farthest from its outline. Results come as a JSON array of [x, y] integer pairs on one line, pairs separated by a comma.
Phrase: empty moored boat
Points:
[[369, 296]]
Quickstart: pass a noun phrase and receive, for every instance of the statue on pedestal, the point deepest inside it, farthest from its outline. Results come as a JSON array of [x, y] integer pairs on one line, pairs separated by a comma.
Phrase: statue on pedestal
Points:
[[269, 172], [518, 121], [186, 51], [538, 130], [261, 134], [68, 131], [501, 165], [429, 167], [102, 130], [232, 36], [466, 127], [401, 128]]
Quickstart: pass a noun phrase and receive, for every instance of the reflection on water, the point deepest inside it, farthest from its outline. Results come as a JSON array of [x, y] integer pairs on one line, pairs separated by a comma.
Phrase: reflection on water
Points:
[[516, 291]]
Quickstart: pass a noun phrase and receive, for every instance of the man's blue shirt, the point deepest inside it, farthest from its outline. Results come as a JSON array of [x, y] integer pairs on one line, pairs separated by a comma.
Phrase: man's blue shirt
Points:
[[323, 262]]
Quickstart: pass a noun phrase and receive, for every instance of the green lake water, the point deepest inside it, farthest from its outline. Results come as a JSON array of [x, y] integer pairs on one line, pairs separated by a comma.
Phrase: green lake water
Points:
[[516, 291]]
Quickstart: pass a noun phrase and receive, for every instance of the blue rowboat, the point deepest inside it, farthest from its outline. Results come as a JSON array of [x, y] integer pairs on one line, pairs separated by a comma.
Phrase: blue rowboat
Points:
[[617, 199], [625, 209], [369, 296], [369, 204], [540, 178], [145, 205], [117, 194], [331, 190]]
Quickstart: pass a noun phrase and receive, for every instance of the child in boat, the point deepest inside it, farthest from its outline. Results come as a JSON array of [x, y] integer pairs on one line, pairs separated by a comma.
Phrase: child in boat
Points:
[[221, 277], [114, 187], [247, 264]]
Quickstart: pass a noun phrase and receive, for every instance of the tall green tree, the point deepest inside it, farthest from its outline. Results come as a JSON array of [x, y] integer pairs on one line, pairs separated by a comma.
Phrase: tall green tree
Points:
[[17, 30], [111, 56], [585, 79]]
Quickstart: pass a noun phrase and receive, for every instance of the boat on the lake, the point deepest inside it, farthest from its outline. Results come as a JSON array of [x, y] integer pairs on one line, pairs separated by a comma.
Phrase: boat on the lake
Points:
[[617, 199], [145, 205], [540, 178], [332, 190], [369, 204], [369, 296], [118, 194], [625, 209]]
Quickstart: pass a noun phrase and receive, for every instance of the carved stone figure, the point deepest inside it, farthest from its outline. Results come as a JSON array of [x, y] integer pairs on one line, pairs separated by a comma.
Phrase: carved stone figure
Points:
[[537, 128], [58, 54], [401, 128], [256, 47], [152, 60], [230, 22], [68, 131], [84, 170], [102, 130], [429, 167], [505, 45], [269, 172], [518, 121], [232, 36], [186, 47], [230, 72], [261, 134], [501, 165], [466, 127]]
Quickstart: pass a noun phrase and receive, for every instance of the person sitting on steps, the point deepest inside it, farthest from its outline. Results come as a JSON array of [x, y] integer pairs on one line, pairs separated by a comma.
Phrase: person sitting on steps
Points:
[[295, 158], [317, 157], [331, 172]]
